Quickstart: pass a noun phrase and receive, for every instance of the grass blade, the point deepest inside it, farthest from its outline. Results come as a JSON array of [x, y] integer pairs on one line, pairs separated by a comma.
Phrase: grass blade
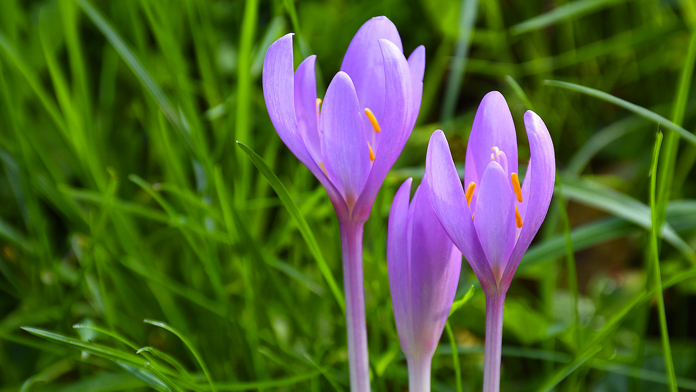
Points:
[[306, 232], [666, 349], [519, 92], [569, 368], [596, 195], [568, 11], [96, 349], [641, 111], [188, 344], [461, 302], [467, 20], [455, 354], [137, 67]]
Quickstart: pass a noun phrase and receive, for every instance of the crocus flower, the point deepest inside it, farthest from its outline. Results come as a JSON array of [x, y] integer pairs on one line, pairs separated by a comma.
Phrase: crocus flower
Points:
[[350, 141], [424, 268], [494, 220]]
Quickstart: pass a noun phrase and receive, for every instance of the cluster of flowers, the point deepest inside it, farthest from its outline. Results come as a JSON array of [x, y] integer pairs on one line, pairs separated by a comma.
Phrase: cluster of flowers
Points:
[[351, 140]]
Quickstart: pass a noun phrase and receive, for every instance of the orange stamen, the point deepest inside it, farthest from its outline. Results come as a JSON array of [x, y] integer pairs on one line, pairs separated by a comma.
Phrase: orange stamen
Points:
[[516, 186], [373, 120], [323, 168], [318, 105], [470, 192], [518, 218], [372, 153]]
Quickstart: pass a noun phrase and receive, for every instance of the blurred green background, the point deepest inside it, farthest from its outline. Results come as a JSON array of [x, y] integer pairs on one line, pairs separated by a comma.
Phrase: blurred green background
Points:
[[124, 197]]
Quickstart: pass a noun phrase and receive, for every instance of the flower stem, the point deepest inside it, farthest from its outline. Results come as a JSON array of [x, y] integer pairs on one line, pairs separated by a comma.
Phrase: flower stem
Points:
[[495, 305], [419, 374], [351, 246]]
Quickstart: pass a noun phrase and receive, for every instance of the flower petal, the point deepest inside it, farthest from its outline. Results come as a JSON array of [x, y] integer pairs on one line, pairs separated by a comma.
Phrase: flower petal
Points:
[[344, 148], [540, 190], [398, 264], [278, 92], [395, 130], [449, 204], [493, 127], [363, 62], [306, 106], [495, 217], [416, 63], [435, 266]]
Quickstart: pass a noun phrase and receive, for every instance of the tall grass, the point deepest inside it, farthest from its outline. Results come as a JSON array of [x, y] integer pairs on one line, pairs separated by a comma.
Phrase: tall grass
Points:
[[155, 233]]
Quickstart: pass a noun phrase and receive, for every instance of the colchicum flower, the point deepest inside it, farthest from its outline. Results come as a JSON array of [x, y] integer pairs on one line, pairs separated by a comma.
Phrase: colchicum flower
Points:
[[424, 268], [350, 141], [494, 220]]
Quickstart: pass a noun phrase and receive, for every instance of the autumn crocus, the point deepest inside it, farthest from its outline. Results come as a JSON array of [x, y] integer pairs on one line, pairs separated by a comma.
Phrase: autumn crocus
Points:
[[349, 141], [424, 268], [494, 219]]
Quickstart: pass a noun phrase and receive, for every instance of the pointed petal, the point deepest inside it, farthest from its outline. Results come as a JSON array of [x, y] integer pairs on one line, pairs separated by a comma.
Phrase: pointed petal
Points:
[[394, 125], [449, 204], [399, 266], [278, 92], [543, 164], [363, 62], [495, 217], [416, 63], [435, 267], [493, 127], [306, 106], [344, 147]]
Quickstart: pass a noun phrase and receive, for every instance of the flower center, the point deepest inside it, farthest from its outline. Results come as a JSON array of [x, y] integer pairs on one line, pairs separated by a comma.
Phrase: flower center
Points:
[[499, 156]]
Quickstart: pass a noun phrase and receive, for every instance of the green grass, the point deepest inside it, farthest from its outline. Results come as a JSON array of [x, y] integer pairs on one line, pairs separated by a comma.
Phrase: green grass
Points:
[[141, 179]]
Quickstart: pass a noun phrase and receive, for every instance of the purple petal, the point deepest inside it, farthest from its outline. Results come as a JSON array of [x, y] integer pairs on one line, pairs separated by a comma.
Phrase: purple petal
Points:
[[394, 125], [543, 163], [398, 263], [435, 266], [494, 217], [416, 63], [306, 106], [344, 147], [449, 203], [493, 127], [363, 62], [278, 92]]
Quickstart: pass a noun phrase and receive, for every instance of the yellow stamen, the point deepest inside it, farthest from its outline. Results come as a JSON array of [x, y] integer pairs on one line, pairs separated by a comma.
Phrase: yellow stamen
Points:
[[516, 186], [373, 120], [323, 168], [518, 218], [372, 153], [472, 217], [492, 157], [470, 192], [318, 105]]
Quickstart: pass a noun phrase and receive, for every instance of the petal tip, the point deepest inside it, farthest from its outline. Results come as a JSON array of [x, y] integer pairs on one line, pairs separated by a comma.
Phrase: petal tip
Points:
[[494, 96], [416, 62]]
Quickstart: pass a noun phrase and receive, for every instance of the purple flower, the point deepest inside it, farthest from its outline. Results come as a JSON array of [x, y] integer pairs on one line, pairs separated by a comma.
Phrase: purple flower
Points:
[[424, 270], [494, 220], [350, 141]]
